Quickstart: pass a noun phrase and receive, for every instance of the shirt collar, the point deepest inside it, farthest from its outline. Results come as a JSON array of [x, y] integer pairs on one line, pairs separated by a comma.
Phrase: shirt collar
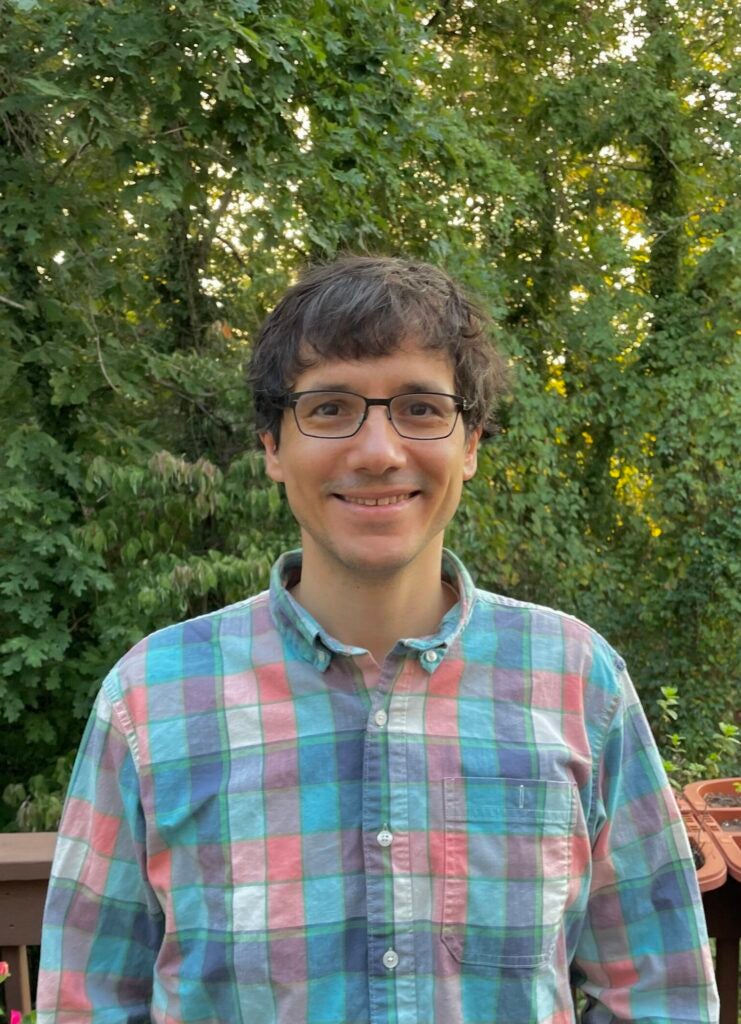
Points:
[[315, 645]]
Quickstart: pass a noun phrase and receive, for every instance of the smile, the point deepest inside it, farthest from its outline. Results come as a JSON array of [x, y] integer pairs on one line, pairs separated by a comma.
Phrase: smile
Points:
[[389, 499]]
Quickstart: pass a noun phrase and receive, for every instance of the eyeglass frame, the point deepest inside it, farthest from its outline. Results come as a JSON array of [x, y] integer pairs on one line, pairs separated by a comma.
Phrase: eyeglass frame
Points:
[[290, 400]]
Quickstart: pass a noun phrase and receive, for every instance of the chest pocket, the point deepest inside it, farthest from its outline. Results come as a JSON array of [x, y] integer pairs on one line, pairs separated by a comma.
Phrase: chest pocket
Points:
[[507, 861]]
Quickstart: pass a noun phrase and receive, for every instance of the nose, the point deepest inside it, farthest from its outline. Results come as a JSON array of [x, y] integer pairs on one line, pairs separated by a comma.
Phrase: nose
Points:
[[377, 447]]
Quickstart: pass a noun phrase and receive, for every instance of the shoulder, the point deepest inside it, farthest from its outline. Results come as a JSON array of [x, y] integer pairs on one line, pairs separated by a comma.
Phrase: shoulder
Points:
[[540, 619], [195, 648], [547, 640]]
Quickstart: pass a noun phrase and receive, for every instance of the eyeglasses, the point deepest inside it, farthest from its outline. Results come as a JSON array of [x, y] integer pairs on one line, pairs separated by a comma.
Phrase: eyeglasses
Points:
[[420, 416]]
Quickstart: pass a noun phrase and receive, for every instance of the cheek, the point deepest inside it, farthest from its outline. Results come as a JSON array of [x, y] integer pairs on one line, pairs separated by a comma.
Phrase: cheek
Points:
[[305, 472], [458, 467]]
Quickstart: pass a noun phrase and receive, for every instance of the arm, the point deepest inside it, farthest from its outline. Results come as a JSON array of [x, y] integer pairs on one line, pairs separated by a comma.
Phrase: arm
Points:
[[643, 952], [102, 924]]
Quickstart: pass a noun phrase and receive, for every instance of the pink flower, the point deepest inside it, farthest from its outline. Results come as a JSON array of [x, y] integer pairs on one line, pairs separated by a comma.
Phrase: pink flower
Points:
[[4, 970], [16, 1017]]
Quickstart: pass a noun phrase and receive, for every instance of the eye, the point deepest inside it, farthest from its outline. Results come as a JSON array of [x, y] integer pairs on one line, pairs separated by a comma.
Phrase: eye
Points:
[[327, 406], [421, 407], [326, 409]]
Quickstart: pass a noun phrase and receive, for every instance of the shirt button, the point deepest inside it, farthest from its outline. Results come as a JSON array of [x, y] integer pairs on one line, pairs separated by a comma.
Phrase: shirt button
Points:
[[380, 717], [390, 959], [384, 837], [430, 656]]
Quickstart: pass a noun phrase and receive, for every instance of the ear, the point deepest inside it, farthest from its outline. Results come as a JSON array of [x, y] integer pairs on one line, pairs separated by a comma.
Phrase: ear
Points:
[[272, 457], [470, 454]]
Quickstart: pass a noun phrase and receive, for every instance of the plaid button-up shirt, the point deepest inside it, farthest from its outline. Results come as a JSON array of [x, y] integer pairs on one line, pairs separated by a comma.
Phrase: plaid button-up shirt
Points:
[[263, 826]]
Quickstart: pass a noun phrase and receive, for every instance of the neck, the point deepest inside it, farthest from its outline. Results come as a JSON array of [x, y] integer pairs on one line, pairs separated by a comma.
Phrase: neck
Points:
[[374, 612]]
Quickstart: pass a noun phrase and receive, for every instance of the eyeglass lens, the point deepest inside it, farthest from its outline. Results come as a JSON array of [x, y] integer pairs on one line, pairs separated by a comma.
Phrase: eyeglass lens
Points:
[[339, 414]]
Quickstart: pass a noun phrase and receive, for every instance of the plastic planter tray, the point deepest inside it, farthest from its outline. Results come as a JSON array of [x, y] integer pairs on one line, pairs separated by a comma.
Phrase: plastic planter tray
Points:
[[712, 817], [713, 872]]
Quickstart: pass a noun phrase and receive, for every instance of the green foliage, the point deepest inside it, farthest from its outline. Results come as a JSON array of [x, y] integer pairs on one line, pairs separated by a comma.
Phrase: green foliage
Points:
[[165, 169], [611, 491], [680, 769], [39, 806]]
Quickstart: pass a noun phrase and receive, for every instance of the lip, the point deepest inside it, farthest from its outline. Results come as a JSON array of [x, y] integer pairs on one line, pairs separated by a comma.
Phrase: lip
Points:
[[407, 497]]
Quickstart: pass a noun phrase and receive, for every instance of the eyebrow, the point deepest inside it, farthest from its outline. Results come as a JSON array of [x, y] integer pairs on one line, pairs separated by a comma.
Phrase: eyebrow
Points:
[[413, 386]]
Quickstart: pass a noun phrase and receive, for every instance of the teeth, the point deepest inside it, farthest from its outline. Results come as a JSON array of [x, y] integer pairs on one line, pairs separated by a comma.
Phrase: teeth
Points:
[[391, 500]]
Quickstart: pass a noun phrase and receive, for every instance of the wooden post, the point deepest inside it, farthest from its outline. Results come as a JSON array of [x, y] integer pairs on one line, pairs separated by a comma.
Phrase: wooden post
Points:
[[25, 864], [17, 989], [723, 916]]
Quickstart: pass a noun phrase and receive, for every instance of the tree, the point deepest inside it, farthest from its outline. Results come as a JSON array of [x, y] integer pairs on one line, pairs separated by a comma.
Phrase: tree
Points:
[[165, 169], [597, 497]]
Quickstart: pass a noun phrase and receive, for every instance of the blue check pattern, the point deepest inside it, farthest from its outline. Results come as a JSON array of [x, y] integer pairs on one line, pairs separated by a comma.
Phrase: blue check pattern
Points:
[[262, 827]]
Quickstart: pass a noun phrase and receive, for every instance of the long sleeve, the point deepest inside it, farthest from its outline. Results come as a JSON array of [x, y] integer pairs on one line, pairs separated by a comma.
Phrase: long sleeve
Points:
[[643, 952], [102, 924]]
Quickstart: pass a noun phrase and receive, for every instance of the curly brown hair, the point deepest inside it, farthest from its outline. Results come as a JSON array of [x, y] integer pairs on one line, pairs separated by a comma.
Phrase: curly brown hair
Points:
[[361, 307]]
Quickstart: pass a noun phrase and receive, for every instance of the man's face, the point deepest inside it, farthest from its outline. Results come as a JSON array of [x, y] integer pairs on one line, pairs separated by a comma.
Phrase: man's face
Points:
[[322, 476]]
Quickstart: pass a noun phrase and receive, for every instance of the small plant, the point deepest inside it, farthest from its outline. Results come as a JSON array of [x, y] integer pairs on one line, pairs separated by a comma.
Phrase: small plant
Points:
[[16, 1017], [679, 768]]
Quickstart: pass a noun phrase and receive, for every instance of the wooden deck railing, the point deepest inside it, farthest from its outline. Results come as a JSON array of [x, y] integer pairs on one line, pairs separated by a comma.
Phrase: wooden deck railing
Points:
[[25, 863]]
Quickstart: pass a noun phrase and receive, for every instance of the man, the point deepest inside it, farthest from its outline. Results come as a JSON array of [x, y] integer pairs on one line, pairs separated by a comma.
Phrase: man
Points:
[[372, 793]]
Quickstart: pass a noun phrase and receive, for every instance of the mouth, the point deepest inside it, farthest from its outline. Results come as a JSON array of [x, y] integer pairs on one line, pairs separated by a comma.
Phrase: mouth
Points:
[[381, 500]]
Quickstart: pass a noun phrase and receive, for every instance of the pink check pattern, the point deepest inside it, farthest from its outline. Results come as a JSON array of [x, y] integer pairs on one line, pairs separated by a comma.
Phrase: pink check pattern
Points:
[[263, 826]]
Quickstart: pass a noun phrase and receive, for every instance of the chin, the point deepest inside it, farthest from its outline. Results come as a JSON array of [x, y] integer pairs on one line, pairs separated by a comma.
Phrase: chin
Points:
[[379, 564]]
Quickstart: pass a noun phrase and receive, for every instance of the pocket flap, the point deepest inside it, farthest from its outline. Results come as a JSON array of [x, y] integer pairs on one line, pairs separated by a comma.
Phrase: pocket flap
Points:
[[492, 799]]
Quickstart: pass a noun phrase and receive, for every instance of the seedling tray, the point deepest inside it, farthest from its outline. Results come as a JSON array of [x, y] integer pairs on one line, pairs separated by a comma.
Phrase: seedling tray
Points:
[[713, 872], [714, 817]]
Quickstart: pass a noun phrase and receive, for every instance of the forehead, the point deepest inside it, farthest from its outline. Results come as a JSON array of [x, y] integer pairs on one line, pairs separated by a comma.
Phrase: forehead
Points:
[[411, 367]]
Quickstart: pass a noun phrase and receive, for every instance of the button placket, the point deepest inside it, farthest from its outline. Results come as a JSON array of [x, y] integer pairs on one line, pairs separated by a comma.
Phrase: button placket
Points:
[[380, 782]]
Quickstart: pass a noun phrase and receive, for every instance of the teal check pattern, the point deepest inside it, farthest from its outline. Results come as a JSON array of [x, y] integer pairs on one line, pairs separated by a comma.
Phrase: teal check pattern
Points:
[[264, 827]]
